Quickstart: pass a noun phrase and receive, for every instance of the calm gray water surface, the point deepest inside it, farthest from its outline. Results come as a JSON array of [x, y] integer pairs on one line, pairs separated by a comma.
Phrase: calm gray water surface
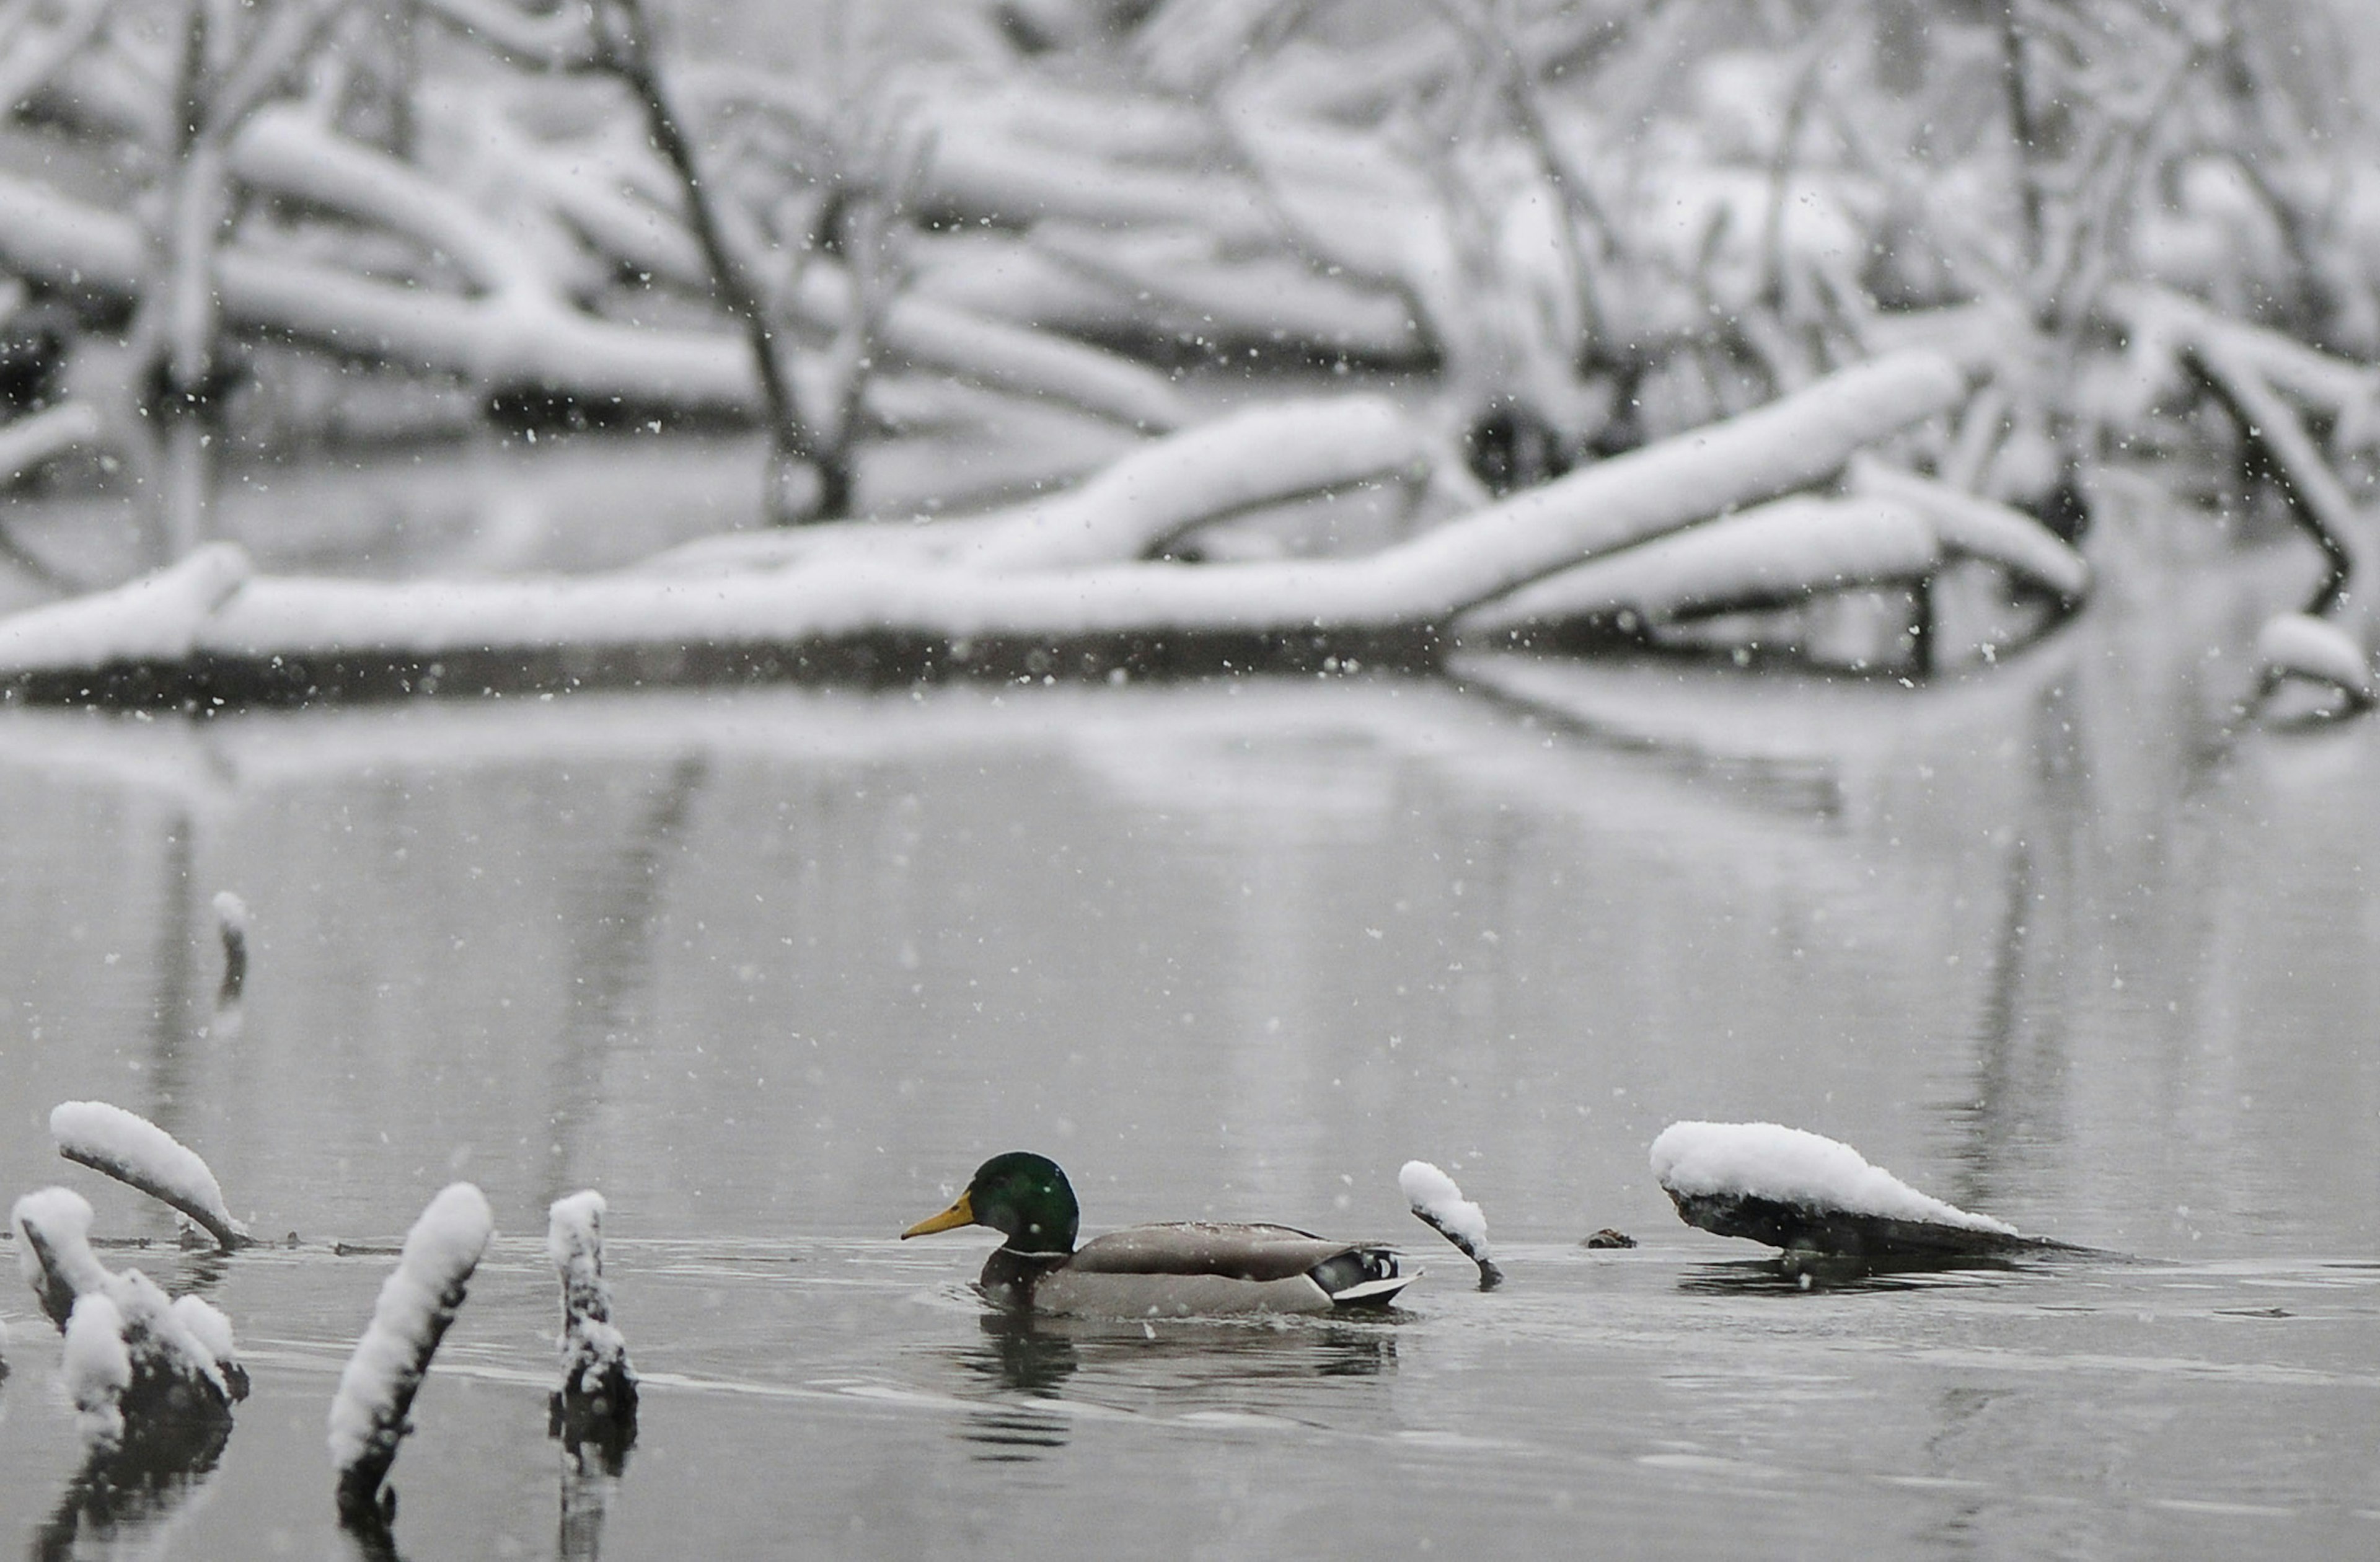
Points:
[[775, 972]]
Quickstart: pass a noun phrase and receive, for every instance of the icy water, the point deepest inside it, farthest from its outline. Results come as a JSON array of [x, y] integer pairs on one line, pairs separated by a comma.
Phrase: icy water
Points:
[[775, 970]]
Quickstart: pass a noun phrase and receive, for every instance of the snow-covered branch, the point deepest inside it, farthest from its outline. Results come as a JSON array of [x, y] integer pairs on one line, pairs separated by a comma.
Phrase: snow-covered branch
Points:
[[138, 1153], [597, 1401], [417, 1306]]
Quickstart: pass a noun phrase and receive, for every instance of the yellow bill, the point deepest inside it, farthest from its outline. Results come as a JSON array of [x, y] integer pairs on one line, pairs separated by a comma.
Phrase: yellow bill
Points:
[[961, 1212]]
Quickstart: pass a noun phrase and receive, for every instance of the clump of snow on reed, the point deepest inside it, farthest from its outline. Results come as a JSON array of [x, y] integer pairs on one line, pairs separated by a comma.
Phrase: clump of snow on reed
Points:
[[54, 1249], [133, 1150], [1794, 1166], [132, 1351], [594, 1352], [98, 1367], [417, 1304], [1440, 1205]]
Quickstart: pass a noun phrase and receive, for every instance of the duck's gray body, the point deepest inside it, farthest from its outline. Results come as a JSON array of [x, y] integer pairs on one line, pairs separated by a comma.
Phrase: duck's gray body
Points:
[[1194, 1269]]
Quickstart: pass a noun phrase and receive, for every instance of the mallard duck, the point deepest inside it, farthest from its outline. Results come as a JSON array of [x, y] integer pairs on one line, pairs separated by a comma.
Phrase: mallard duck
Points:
[[1185, 1269]]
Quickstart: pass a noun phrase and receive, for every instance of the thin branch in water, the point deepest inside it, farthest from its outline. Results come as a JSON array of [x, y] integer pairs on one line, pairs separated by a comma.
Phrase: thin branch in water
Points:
[[2317, 500]]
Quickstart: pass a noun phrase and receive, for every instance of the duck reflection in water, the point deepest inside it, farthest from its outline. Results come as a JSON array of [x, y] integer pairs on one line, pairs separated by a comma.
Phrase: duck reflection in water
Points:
[[123, 1490], [1019, 1357], [1159, 1367]]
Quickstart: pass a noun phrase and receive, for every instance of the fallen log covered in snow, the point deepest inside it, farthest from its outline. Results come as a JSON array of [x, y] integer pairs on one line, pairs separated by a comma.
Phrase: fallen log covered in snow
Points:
[[513, 331], [1802, 1192], [207, 631], [2300, 646]]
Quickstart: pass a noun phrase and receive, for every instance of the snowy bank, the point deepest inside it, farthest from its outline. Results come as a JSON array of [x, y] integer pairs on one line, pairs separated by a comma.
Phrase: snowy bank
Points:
[[1801, 1191]]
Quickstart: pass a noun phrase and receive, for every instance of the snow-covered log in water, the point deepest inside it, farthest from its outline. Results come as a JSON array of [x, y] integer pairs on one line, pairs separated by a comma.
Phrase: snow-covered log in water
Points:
[[37, 436], [1261, 456], [273, 639], [1760, 557], [2299, 645], [135, 1150], [417, 1305], [516, 331], [597, 1401], [135, 1358], [1804, 1192], [1442, 1206]]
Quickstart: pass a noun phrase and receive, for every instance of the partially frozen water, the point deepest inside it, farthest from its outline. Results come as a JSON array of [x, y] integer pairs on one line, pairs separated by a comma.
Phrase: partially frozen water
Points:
[[775, 970]]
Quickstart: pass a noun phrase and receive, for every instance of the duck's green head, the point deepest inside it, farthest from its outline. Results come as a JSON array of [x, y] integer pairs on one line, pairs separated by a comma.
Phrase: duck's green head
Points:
[[1024, 1197]]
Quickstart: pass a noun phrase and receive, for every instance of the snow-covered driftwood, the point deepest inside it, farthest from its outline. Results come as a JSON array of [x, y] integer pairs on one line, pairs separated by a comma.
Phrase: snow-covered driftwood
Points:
[[134, 1357], [1760, 557], [514, 330], [205, 630], [37, 436], [597, 1401], [2299, 645], [137, 1153], [417, 1305], [1441, 1205], [1803, 1192], [1135, 506]]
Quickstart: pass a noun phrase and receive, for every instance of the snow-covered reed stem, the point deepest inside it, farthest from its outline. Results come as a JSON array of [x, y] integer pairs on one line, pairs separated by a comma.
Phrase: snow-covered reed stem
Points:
[[54, 1249], [98, 1367], [133, 1150], [598, 1384], [417, 1305], [1442, 1206]]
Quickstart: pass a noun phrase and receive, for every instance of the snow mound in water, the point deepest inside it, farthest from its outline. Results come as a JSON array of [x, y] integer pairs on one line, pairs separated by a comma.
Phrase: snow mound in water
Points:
[[1794, 1167]]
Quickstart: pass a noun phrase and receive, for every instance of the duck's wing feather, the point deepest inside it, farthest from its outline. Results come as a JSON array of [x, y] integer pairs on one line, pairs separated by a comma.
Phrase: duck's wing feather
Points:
[[1200, 1247]]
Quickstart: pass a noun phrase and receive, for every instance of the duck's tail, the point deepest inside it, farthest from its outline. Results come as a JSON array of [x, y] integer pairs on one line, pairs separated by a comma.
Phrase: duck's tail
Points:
[[1361, 1277]]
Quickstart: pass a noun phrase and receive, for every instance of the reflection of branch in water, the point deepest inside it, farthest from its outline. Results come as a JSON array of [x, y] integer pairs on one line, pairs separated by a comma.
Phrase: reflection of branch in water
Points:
[[2022, 1047], [134, 1486], [1956, 1533], [168, 1035], [586, 1493], [1990, 1113], [610, 962]]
